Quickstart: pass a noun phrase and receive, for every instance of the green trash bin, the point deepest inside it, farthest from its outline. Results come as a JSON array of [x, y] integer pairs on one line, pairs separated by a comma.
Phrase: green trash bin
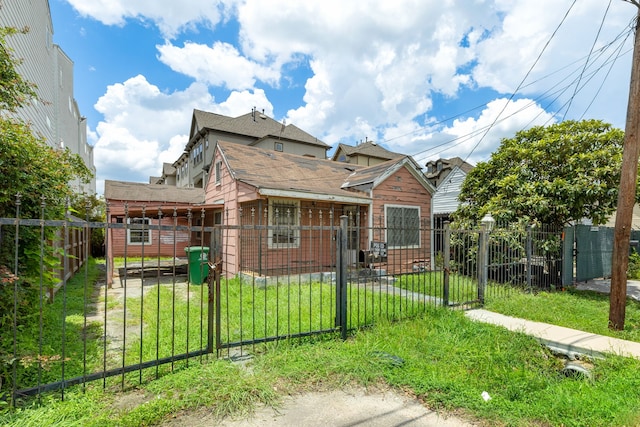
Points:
[[198, 264]]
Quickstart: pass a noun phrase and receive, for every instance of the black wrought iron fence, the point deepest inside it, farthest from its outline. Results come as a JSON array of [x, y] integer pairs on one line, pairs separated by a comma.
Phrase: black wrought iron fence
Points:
[[179, 284]]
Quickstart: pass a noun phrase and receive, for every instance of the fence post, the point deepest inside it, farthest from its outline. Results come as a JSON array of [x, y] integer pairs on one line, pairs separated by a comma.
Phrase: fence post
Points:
[[213, 305], [528, 252], [14, 365], [446, 255], [483, 261], [341, 278]]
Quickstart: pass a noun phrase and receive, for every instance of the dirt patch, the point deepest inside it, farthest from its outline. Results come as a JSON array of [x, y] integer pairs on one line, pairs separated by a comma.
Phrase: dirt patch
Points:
[[126, 402], [113, 322], [352, 407]]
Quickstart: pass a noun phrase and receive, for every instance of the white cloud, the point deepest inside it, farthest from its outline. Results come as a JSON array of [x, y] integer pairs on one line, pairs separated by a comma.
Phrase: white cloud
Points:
[[218, 65], [237, 103], [143, 127], [170, 16], [376, 69], [475, 138]]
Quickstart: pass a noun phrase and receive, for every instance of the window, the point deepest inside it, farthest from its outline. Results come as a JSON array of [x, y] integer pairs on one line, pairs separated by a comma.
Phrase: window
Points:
[[138, 232], [284, 222], [403, 226], [218, 172], [197, 154], [278, 146]]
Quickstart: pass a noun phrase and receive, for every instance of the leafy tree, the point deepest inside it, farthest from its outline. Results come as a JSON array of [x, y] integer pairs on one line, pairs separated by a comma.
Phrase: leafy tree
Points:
[[14, 90], [41, 175], [552, 175]]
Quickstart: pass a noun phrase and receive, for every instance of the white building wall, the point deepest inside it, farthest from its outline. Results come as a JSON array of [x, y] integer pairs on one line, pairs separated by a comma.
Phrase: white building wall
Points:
[[54, 115], [445, 200]]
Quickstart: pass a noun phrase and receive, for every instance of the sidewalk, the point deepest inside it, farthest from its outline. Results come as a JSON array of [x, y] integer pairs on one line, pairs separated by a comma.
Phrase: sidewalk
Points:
[[559, 339]]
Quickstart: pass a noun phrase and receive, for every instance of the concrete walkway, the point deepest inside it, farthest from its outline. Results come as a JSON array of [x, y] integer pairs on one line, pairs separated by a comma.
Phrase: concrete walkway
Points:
[[559, 339]]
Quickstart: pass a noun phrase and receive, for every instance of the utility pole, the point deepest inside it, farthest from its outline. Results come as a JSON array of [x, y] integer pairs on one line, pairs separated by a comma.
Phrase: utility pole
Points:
[[627, 193]]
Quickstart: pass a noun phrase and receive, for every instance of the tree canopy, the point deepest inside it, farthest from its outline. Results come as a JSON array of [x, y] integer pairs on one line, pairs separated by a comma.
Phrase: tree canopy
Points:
[[554, 175]]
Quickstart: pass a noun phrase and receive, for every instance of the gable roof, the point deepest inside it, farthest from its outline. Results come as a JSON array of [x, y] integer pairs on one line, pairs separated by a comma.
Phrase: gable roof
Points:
[[277, 173], [369, 149], [137, 192], [370, 177], [254, 124], [289, 175], [447, 167]]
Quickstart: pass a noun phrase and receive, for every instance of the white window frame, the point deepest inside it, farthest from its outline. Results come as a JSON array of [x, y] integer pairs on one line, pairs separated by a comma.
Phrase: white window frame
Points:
[[218, 172], [278, 146], [390, 227], [146, 231], [289, 218]]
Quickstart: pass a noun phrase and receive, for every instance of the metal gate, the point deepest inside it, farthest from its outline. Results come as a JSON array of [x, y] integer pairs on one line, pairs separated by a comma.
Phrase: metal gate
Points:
[[594, 249]]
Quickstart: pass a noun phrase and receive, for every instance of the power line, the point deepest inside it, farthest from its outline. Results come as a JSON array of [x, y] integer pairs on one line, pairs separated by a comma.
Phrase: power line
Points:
[[591, 59], [549, 93], [595, 40], [523, 79]]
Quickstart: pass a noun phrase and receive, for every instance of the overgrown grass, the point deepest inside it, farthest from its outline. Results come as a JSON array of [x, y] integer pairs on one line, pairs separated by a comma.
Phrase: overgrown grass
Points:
[[462, 289], [583, 310], [58, 332], [442, 358]]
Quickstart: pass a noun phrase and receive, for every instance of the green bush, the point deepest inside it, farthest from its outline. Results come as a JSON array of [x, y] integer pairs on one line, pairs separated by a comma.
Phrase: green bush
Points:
[[633, 271]]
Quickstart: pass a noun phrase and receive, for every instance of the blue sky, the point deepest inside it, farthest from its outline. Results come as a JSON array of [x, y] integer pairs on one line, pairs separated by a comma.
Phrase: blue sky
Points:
[[421, 77]]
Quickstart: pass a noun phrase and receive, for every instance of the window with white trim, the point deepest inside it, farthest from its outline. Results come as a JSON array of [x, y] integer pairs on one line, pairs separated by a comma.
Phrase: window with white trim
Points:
[[284, 220], [218, 172], [138, 232], [403, 226]]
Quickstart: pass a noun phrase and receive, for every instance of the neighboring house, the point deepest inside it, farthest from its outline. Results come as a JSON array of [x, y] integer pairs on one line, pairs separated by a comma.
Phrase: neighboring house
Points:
[[254, 129], [447, 175], [168, 176], [378, 200], [136, 207], [54, 114], [367, 154]]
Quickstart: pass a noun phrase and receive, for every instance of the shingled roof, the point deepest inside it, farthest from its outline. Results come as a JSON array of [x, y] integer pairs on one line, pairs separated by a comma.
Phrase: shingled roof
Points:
[[273, 170], [369, 149], [254, 124], [370, 177], [150, 193], [322, 178]]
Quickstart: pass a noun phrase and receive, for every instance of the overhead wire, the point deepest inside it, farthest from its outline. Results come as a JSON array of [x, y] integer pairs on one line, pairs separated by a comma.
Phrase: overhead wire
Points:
[[590, 60], [586, 63], [548, 94], [523, 79], [603, 81]]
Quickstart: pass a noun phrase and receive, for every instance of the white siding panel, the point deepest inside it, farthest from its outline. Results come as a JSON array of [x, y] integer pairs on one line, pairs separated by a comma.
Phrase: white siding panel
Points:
[[55, 115], [445, 200]]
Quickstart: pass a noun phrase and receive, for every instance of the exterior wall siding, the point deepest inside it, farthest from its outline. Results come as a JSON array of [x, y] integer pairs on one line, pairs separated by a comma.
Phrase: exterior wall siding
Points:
[[293, 148], [403, 189], [54, 115], [445, 200]]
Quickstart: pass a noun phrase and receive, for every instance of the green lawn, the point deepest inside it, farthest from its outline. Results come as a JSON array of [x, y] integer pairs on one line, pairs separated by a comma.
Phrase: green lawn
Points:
[[442, 358], [435, 354], [583, 310]]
